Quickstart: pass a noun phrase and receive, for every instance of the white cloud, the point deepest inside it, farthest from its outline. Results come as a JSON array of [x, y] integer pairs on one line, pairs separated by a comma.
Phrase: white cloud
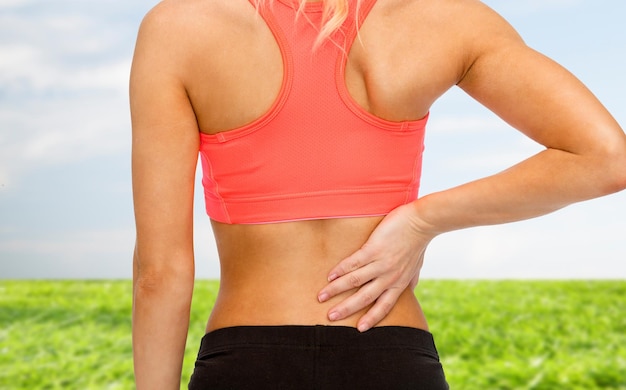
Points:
[[78, 254], [30, 70], [462, 148], [112, 76], [464, 125], [61, 131], [63, 85], [14, 3], [77, 245], [581, 242], [530, 6]]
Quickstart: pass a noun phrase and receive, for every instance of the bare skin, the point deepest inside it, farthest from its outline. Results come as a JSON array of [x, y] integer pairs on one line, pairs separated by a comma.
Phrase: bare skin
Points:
[[213, 65]]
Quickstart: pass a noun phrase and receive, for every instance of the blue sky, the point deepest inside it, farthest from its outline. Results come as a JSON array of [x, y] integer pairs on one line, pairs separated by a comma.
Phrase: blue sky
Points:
[[65, 191]]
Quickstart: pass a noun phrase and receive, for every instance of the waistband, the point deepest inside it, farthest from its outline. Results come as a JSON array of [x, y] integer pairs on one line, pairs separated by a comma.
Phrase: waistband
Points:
[[319, 336]]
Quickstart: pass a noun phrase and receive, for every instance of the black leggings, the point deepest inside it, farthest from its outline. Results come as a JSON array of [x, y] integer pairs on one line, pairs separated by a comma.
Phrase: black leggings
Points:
[[317, 357]]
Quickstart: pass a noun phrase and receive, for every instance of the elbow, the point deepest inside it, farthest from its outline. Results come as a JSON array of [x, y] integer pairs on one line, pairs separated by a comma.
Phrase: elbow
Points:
[[173, 277], [619, 183], [613, 169], [161, 288]]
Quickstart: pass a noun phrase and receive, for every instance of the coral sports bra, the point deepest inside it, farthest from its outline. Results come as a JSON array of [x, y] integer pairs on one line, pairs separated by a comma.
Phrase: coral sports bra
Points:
[[315, 154]]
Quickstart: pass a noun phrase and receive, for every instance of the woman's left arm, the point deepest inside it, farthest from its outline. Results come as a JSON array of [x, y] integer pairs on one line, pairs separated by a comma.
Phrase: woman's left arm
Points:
[[585, 157], [165, 142]]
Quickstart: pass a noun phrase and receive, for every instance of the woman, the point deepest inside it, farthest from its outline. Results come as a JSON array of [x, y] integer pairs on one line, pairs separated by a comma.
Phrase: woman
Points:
[[309, 119]]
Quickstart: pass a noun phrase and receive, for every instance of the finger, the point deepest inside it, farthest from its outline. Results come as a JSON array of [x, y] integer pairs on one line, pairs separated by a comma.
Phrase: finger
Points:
[[351, 263], [379, 310], [362, 298], [350, 281]]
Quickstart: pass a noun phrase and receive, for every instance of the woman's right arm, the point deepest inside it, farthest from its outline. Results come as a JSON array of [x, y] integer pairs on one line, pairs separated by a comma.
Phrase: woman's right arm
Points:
[[584, 158], [164, 156]]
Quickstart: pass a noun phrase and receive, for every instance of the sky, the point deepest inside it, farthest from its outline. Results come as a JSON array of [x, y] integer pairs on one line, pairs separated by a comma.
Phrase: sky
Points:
[[65, 187]]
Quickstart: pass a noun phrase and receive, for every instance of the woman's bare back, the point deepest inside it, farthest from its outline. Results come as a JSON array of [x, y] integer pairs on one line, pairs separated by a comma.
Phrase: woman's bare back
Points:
[[233, 71], [271, 274]]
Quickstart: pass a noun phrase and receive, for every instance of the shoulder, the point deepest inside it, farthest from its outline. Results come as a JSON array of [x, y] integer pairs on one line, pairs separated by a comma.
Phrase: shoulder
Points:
[[470, 23], [455, 32], [477, 30], [190, 21], [174, 33], [198, 24], [477, 25], [179, 17]]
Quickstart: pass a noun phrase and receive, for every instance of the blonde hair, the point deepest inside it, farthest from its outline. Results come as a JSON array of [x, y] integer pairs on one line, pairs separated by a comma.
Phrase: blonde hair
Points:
[[334, 14]]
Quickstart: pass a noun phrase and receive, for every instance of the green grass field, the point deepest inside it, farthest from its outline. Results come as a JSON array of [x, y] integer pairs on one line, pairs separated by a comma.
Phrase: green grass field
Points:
[[490, 334]]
